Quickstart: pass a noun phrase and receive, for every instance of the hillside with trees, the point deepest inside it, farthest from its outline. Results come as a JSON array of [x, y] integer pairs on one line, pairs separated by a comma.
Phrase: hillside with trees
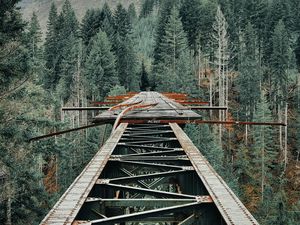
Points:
[[243, 54]]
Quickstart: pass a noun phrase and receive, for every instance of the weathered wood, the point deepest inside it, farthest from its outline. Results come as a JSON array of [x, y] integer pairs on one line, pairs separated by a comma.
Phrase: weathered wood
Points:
[[165, 109], [231, 208], [67, 207]]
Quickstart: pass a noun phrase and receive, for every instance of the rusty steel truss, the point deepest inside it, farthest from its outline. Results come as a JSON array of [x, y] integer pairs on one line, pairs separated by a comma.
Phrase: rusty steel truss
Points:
[[149, 171]]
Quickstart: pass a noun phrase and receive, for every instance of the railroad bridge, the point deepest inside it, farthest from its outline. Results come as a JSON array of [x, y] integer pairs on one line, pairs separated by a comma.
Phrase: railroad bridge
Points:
[[149, 171]]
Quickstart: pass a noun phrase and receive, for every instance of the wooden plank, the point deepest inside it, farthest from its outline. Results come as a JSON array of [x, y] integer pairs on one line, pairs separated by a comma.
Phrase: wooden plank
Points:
[[231, 208], [165, 109], [67, 207]]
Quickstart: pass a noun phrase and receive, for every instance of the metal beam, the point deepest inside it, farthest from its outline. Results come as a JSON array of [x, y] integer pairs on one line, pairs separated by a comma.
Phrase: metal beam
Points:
[[197, 121], [188, 221], [154, 153], [150, 141], [142, 202], [84, 108], [147, 176], [147, 147], [231, 208], [145, 214], [136, 134], [67, 207], [64, 132], [160, 158], [155, 165], [131, 189]]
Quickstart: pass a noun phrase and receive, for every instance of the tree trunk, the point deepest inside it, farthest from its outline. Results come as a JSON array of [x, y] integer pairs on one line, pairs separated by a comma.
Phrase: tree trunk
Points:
[[285, 136], [280, 128], [8, 204]]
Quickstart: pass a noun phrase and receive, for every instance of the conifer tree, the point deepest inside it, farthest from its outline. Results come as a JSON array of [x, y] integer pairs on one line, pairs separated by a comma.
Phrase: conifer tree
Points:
[[127, 64], [70, 23], [51, 50], [174, 40], [221, 61], [190, 13], [279, 63], [123, 47], [175, 63], [132, 13], [264, 150], [90, 25], [100, 71], [107, 21], [147, 8], [144, 85], [34, 36], [122, 24], [249, 78], [164, 13]]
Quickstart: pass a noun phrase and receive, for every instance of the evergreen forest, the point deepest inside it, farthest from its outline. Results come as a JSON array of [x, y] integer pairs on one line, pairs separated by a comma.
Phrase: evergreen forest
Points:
[[242, 54]]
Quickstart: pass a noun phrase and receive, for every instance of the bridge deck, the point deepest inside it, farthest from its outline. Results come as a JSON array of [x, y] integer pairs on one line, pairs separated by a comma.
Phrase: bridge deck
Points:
[[165, 109], [148, 174]]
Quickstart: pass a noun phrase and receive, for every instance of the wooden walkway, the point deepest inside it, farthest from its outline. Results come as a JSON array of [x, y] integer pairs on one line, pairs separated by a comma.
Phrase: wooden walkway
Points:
[[149, 174], [165, 109]]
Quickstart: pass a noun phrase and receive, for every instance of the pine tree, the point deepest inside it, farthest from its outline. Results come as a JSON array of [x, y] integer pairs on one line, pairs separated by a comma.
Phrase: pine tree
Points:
[[11, 21], [190, 13], [132, 13], [174, 41], [90, 25], [107, 21], [127, 64], [100, 71], [264, 150], [51, 49], [144, 85], [122, 24], [147, 8], [221, 61], [256, 13], [123, 47], [249, 78], [70, 69], [175, 63], [279, 63], [13, 58], [297, 52], [34, 36], [70, 23], [164, 13]]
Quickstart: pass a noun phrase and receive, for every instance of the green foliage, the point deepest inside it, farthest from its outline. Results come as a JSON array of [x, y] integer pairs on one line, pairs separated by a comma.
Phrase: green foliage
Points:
[[265, 152], [175, 64], [132, 13], [90, 25], [205, 141], [122, 23], [250, 78], [11, 21], [280, 62], [144, 85], [61, 32], [147, 8], [106, 57], [164, 13], [100, 70], [117, 90], [190, 13]]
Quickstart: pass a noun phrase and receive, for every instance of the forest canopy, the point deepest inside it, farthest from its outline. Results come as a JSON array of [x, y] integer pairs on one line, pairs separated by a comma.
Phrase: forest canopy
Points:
[[242, 54]]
